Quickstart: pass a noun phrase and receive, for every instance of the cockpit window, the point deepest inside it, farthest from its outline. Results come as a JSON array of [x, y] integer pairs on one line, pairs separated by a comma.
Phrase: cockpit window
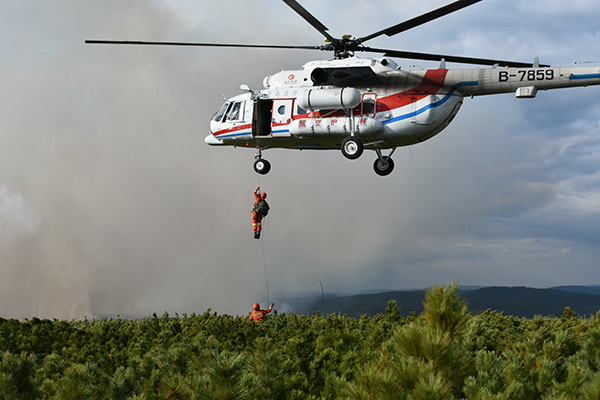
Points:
[[234, 113], [219, 115]]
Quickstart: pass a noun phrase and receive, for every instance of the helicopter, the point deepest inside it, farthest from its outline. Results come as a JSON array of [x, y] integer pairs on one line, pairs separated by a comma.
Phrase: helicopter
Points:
[[350, 103]]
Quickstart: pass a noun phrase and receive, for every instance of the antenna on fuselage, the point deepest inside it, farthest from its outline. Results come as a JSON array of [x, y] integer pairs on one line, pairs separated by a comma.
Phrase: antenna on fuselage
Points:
[[254, 94]]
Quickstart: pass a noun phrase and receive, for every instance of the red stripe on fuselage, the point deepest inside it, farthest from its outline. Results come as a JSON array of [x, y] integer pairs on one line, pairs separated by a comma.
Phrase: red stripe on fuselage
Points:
[[246, 126], [432, 82], [233, 129]]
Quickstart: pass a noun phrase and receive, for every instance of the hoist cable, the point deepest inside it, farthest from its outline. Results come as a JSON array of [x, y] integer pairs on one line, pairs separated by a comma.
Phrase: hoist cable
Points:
[[262, 245]]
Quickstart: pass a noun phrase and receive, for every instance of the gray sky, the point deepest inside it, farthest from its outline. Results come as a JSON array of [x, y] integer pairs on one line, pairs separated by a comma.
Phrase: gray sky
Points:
[[110, 201]]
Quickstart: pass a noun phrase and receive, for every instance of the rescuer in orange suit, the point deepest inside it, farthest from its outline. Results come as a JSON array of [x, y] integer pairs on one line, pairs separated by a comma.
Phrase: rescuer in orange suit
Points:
[[258, 314], [256, 217]]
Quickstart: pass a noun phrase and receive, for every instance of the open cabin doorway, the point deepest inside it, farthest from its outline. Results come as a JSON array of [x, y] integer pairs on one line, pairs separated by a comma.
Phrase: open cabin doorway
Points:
[[261, 118]]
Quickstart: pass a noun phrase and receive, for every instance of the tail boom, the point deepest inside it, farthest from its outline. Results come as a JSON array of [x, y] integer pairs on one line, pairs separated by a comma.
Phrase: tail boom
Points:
[[524, 82]]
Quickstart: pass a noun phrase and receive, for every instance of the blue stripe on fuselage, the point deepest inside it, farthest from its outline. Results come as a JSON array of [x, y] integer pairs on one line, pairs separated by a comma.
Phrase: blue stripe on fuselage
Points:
[[585, 76], [232, 135], [431, 105]]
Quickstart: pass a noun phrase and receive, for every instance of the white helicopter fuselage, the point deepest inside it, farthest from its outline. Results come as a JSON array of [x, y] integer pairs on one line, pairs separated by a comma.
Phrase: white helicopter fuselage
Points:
[[373, 100], [393, 108]]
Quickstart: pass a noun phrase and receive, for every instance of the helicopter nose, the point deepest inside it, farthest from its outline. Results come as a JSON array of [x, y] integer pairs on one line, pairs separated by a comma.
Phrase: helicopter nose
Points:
[[213, 141]]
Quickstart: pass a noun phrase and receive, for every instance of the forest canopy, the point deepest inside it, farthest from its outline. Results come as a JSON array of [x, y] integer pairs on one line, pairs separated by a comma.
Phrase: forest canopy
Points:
[[442, 353]]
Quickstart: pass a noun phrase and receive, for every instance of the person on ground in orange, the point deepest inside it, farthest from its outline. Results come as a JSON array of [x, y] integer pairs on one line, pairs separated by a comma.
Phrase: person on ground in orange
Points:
[[260, 210], [258, 314]]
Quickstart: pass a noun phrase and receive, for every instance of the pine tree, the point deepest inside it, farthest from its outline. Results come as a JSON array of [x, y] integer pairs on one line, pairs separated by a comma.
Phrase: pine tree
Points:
[[430, 358], [17, 376], [264, 371], [224, 372]]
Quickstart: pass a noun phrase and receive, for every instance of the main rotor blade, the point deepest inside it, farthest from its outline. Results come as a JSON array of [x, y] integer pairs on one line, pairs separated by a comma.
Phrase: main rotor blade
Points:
[[309, 18], [420, 20], [256, 46], [456, 59]]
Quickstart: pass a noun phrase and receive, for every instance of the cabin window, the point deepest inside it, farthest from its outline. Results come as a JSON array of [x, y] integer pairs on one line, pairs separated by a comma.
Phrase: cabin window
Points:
[[300, 111], [219, 115], [281, 110], [368, 106]]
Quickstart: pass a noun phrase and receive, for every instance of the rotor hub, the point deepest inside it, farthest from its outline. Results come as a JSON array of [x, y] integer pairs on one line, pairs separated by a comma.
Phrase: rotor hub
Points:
[[344, 47]]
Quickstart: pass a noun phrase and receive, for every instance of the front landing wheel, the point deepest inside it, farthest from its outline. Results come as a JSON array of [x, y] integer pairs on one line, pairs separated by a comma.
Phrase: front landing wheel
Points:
[[383, 166], [352, 147], [262, 166]]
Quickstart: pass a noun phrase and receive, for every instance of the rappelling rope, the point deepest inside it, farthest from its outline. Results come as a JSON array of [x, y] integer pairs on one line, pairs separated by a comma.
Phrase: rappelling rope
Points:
[[262, 247]]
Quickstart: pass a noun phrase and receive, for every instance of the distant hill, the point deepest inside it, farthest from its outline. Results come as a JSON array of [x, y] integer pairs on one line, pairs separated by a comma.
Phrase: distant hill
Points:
[[527, 302], [516, 301], [594, 289]]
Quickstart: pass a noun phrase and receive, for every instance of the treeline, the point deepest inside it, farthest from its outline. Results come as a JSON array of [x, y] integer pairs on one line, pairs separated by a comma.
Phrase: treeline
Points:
[[443, 353]]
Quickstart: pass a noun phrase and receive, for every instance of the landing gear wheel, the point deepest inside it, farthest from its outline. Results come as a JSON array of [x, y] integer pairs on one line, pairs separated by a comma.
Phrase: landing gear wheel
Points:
[[383, 166], [262, 166], [352, 147]]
